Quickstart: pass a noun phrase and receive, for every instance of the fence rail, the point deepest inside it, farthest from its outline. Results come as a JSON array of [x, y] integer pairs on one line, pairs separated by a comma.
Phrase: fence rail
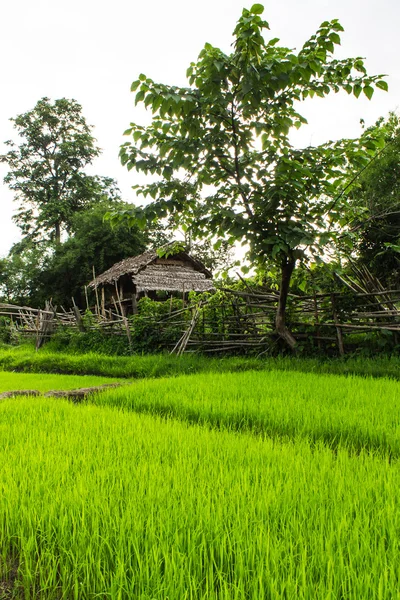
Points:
[[238, 321]]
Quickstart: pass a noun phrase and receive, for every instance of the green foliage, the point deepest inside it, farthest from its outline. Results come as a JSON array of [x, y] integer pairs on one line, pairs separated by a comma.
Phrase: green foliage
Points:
[[377, 199], [220, 154], [151, 329], [20, 271], [93, 342], [231, 122], [171, 249], [94, 245], [8, 332], [33, 273], [47, 168]]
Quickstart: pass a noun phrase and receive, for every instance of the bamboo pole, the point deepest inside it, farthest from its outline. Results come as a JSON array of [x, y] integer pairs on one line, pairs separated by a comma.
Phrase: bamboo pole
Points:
[[96, 293], [125, 320], [338, 329], [78, 317]]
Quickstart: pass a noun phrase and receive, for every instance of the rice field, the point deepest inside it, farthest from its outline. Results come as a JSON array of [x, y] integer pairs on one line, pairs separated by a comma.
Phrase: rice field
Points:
[[357, 412], [238, 486], [26, 359]]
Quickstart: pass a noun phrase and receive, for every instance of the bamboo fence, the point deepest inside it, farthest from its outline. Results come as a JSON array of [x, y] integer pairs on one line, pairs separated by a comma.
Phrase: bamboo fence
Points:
[[239, 322]]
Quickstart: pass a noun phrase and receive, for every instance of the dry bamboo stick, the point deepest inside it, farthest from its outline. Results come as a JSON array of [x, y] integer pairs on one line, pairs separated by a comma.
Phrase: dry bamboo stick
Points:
[[125, 320]]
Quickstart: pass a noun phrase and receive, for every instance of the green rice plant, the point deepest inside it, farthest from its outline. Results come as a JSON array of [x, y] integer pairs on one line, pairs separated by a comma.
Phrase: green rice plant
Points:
[[25, 358], [98, 503], [45, 383], [359, 412]]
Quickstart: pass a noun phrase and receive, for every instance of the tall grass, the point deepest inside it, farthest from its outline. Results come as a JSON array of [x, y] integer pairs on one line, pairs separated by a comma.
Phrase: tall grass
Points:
[[362, 413], [98, 503], [25, 358]]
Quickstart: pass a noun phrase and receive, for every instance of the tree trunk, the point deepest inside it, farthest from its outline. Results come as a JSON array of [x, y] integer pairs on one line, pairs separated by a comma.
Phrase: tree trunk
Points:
[[288, 265], [57, 232]]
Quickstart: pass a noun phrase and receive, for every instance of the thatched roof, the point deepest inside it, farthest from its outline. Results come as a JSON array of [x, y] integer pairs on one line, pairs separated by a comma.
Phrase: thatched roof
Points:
[[150, 272]]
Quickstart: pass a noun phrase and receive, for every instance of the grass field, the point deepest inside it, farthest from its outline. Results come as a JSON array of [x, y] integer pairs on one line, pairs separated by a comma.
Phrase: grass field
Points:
[[359, 412], [245, 486], [26, 359]]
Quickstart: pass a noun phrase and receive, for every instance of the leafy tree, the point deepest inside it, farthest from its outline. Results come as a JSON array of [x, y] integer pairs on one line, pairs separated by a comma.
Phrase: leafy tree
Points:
[[19, 272], [162, 232], [94, 244], [220, 154], [46, 170], [377, 196]]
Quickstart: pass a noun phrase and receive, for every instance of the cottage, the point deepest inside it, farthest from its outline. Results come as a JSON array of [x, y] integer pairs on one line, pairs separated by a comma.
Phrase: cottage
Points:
[[148, 274]]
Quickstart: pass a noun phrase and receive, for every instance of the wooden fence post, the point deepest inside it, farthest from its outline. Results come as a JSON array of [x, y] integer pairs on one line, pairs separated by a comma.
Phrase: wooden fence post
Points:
[[338, 328], [318, 330], [78, 317]]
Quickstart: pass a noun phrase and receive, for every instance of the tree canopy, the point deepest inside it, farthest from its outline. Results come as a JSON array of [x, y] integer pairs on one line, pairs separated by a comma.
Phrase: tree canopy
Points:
[[46, 169], [33, 273], [377, 196], [219, 150]]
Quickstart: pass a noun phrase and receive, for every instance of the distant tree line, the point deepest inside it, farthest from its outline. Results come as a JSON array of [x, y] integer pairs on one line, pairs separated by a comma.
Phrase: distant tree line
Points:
[[61, 210]]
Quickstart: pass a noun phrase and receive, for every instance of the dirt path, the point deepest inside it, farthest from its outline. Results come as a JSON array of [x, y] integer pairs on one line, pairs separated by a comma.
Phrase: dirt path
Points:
[[76, 395]]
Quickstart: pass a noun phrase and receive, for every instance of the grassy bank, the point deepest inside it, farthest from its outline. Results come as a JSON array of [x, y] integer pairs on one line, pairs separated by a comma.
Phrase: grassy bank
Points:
[[25, 358], [98, 503]]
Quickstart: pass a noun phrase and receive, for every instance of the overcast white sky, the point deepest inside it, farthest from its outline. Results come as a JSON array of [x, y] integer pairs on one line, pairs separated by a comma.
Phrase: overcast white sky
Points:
[[91, 50]]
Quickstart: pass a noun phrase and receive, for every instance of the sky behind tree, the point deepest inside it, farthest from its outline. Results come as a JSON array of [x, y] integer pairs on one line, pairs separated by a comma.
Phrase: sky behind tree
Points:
[[92, 51]]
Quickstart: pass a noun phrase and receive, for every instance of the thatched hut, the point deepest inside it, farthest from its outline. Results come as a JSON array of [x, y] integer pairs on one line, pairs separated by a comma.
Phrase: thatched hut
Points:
[[148, 274]]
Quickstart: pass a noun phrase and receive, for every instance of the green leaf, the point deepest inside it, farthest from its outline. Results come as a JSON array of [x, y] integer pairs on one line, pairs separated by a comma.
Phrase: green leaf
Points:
[[382, 85], [336, 25], [139, 97], [135, 85], [357, 89], [335, 38], [257, 9], [368, 91]]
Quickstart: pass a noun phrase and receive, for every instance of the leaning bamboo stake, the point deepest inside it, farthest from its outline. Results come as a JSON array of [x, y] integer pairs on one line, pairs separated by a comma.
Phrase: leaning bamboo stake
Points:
[[316, 315], [103, 302], [87, 299], [78, 317], [97, 294], [125, 320], [338, 329], [180, 346]]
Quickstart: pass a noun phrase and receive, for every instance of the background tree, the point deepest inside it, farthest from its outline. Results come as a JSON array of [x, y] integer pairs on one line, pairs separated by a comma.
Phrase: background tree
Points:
[[377, 196], [219, 149], [28, 276], [164, 231], [19, 272], [46, 170]]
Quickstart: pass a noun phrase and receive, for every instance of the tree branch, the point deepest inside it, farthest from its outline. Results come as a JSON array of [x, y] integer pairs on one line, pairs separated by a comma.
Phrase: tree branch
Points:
[[237, 166]]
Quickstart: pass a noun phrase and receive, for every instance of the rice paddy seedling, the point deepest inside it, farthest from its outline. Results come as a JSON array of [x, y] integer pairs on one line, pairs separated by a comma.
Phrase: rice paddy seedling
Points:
[[24, 358], [100, 503], [358, 412]]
